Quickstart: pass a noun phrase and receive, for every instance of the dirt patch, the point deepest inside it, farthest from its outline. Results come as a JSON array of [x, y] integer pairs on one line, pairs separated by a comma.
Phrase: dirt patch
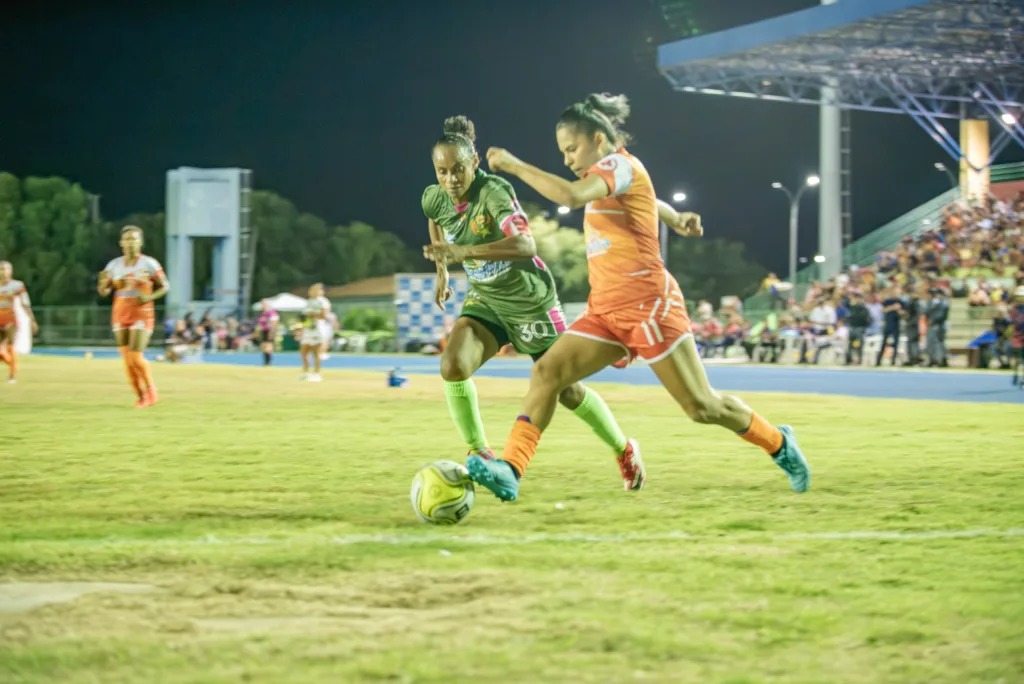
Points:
[[271, 624], [22, 597]]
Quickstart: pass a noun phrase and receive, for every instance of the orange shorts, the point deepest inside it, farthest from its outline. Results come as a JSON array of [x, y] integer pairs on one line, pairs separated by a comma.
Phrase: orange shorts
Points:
[[648, 332], [131, 320], [7, 319]]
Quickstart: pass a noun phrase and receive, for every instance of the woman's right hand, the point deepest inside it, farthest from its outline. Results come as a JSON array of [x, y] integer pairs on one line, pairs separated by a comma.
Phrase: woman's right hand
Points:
[[103, 284], [442, 290]]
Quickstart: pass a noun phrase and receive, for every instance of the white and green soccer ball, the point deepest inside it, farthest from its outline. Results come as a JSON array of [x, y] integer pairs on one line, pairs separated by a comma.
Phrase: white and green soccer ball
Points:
[[442, 493]]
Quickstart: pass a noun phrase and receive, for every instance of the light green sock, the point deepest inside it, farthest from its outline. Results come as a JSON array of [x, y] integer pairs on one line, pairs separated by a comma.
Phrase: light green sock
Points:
[[465, 411], [595, 413]]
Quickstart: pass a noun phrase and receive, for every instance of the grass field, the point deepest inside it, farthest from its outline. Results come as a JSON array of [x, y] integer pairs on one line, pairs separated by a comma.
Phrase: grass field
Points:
[[263, 528]]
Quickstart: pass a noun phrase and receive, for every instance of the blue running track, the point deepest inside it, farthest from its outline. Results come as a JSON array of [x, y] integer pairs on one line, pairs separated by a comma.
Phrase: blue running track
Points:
[[941, 385]]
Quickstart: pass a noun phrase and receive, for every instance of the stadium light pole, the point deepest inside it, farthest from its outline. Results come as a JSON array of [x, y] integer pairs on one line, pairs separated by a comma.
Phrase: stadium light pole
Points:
[[794, 217], [939, 166]]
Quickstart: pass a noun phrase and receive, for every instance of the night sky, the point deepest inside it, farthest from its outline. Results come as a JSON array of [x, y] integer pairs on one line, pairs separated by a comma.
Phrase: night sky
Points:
[[335, 105]]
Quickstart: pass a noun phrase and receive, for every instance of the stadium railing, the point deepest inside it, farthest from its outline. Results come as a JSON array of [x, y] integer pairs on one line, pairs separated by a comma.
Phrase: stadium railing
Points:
[[87, 326]]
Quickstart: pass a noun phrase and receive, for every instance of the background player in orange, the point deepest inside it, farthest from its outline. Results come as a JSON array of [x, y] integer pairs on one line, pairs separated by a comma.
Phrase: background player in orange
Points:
[[136, 281], [12, 292], [635, 309]]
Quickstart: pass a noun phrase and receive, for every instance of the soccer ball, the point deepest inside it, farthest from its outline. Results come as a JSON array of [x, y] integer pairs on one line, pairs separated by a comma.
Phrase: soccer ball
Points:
[[442, 493]]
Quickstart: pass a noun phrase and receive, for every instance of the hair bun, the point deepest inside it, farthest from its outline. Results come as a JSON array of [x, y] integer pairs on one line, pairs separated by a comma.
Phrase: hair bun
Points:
[[615, 107], [460, 125]]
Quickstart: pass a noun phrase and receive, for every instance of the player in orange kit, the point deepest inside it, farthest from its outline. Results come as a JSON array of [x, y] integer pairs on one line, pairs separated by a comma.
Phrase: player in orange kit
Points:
[[12, 292], [635, 309], [136, 281]]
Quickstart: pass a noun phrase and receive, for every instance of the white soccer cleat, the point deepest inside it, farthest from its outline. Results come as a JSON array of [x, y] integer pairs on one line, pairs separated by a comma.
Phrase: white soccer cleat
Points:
[[315, 377]]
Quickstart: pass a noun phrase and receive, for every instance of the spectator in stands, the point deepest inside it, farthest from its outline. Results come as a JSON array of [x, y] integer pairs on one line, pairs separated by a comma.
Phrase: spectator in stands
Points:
[[178, 344], [734, 332], [777, 289], [712, 332], [892, 309], [821, 323], [1017, 336], [875, 308], [937, 313], [859, 321], [705, 310], [266, 329], [1002, 331], [842, 305], [979, 295], [231, 324], [913, 309]]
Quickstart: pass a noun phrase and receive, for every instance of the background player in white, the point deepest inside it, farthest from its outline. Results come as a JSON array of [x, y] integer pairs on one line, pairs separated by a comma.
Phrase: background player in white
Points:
[[328, 326], [12, 295], [311, 336]]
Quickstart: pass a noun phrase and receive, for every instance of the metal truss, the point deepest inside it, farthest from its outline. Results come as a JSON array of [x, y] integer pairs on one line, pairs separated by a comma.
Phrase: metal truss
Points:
[[940, 60]]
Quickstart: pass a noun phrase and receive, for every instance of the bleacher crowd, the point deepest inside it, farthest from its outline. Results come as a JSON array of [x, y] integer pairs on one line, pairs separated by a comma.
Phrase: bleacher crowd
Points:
[[897, 308]]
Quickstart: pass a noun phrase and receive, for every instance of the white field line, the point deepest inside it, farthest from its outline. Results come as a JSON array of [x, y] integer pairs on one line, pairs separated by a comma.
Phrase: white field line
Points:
[[536, 538]]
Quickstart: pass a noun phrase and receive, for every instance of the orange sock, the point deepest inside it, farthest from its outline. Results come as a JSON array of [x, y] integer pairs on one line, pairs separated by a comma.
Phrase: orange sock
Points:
[[144, 371], [763, 434], [522, 445], [130, 370], [12, 360]]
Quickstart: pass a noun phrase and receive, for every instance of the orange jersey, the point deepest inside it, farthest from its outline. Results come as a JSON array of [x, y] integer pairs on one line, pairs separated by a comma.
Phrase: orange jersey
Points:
[[621, 231], [13, 290], [130, 282]]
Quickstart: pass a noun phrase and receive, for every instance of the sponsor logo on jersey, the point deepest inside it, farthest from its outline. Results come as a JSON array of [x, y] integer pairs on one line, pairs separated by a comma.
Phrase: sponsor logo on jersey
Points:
[[608, 164], [597, 245], [486, 271]]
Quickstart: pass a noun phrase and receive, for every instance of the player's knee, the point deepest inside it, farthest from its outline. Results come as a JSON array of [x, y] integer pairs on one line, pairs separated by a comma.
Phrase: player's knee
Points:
[[546, 376], [454, 369], [572, 396]]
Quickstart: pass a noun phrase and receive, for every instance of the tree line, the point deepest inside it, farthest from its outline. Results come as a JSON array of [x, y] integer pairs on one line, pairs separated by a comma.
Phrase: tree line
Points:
[[50, 232]]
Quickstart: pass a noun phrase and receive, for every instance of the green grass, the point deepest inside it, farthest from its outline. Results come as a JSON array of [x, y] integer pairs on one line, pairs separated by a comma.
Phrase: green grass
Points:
[[271, 519]]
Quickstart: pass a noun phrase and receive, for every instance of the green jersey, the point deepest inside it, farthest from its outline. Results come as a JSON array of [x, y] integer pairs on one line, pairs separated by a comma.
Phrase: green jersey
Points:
[[517, 296]]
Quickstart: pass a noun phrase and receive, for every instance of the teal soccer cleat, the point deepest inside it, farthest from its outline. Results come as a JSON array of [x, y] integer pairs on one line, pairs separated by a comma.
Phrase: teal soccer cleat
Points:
[[792, 461], [496, 475]]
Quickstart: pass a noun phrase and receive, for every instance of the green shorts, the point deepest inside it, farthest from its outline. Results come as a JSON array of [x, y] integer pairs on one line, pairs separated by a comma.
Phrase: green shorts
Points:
[[530, 331]]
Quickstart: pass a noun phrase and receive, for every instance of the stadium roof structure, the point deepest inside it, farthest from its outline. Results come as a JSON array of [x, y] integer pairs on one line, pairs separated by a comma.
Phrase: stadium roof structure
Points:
[[931, 59]]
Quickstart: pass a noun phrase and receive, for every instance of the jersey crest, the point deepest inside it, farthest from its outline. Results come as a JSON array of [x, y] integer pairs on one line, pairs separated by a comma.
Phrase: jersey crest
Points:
[[482, 225]]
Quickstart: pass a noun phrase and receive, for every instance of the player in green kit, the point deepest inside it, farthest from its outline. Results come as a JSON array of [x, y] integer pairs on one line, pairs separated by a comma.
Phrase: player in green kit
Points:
[[474, 219]]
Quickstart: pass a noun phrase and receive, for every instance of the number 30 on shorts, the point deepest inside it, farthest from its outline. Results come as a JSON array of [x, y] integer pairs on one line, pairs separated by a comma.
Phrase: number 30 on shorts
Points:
[[537, 330]]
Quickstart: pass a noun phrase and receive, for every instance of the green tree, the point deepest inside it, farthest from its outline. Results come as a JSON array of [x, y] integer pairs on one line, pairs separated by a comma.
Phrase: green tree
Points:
[[296, 249], [713, 268], [53, 237], [10, 208], [361, 251], [565, 253]]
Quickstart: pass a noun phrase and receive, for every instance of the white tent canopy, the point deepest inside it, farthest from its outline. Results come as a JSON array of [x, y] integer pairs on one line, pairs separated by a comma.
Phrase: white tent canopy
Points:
[[285, 301], [23, 337]]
